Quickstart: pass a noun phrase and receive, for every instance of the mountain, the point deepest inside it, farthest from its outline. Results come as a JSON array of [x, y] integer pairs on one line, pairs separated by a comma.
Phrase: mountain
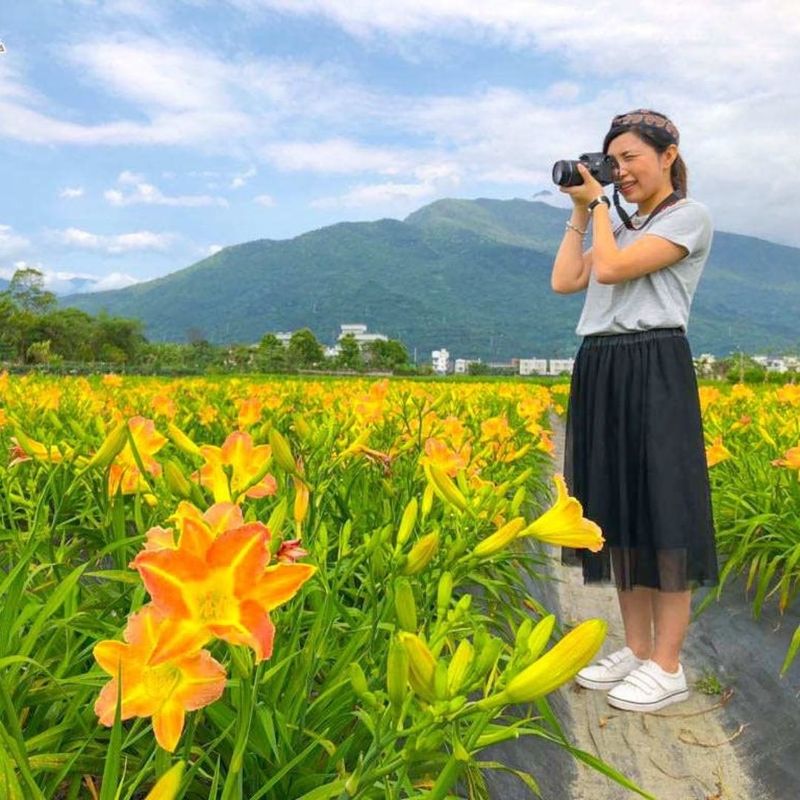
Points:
[[469, 275]]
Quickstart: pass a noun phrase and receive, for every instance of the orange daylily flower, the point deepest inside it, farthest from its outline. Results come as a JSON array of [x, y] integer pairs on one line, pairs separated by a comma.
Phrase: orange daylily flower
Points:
[[496, 429], [112, 380], [219, 587], [164, 406], [717, 452], [249, 411], [370, 407], [219, 518], [165, 691], [207, 415], [790, 460], [124, 473], [546, 444], [23, 448], [446, 459], [789, 393], [249, 464]]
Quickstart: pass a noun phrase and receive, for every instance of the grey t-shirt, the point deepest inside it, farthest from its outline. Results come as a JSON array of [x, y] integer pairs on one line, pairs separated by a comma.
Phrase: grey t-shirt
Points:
[[659, 299]]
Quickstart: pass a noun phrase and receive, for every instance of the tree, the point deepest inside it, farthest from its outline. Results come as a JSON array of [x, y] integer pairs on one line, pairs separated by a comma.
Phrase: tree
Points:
[[27, 292], [389, 354], [304, 349], [349, 353], [272, 355]]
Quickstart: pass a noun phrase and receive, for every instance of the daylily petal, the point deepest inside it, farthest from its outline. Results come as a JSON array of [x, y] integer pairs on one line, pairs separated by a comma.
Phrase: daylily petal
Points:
[[280, 583]]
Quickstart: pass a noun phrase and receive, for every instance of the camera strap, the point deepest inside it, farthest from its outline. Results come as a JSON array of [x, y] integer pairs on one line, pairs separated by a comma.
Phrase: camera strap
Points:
[[626, 220]]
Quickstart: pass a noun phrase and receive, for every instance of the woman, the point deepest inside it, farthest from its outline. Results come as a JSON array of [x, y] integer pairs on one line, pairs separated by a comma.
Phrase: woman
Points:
[[635, 452]]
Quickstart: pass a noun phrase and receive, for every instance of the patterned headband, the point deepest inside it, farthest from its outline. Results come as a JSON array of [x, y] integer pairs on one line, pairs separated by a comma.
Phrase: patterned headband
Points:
[[645, 118]]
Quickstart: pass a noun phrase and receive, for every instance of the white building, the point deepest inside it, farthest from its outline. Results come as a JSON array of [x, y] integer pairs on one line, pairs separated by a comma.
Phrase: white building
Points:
[[461, 366], [559, 365], [359, 332], [439, 358], [533, 366]]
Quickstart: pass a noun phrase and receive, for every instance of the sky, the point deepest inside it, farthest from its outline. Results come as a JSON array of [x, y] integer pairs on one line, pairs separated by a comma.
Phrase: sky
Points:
[[140, 136]]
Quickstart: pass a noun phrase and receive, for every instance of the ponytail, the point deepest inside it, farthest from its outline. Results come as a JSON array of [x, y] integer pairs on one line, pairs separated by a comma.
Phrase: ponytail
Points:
[[678, 175]]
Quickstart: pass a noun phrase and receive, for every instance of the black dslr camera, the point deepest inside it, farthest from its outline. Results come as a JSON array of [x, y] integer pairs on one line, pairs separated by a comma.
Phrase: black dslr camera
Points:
[[602, 167]]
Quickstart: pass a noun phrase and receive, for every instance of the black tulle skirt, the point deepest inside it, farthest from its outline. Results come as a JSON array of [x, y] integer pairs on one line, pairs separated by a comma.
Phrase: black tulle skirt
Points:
[[635, 459]]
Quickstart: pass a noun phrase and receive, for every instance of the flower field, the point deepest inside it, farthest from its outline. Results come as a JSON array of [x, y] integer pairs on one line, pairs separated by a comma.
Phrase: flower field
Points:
[[312, 588], [753, 453]]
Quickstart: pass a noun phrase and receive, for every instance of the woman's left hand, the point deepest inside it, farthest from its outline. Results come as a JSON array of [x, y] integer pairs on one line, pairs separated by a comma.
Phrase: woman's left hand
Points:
[[585, 192]]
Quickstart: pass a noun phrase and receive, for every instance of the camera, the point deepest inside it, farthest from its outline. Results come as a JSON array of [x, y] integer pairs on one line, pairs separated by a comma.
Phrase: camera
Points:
[[602, 167]]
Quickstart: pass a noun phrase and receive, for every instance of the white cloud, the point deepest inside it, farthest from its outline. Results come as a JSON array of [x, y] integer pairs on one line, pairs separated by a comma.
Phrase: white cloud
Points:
[[433, 180], [65, 282], [337, 155], [264, 200], [117, 244], [71, 192], [148, 194], [213, 249], [11, 243], [242, 178]]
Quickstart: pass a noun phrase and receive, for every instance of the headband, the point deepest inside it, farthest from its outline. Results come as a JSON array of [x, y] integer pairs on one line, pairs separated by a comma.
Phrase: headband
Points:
[[652, 122]]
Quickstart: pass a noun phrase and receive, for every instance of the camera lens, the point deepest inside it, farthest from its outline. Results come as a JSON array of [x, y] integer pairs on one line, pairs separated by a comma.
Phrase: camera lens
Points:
[[562, 173]]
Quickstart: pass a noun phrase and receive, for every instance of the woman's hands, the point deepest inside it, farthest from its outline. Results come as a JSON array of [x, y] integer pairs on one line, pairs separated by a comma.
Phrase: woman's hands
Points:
[[584, 194]]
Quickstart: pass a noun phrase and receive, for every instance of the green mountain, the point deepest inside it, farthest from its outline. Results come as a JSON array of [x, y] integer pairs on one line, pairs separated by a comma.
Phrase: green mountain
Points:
[[469, 275]]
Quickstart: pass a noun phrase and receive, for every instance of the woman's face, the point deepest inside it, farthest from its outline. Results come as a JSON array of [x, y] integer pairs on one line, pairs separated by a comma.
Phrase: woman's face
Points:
[[643, 172]]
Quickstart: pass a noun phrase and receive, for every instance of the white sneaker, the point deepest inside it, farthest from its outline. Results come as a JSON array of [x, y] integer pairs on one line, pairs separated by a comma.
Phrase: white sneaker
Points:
[[609, 671], [649, 688]]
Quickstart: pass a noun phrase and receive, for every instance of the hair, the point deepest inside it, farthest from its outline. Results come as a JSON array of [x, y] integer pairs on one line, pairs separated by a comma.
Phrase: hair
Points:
[[677, 173]]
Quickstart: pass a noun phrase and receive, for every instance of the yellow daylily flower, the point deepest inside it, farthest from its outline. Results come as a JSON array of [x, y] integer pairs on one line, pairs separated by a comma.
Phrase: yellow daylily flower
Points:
[[564, 524]]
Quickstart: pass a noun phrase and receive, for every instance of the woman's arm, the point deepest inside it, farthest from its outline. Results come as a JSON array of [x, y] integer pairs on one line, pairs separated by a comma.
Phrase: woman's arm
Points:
[[614, 264], [572, 266]]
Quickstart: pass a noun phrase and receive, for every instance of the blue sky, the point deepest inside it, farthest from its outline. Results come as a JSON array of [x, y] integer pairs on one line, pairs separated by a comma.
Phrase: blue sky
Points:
[[139, 136]]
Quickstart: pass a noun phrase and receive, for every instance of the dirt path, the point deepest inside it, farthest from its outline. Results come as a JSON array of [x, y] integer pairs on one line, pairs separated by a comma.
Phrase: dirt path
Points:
[[684, 752]]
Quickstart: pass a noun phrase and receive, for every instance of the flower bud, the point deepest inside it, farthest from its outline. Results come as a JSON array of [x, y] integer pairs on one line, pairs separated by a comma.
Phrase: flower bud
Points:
[[516, 503], [540, 636], [358, 680], [111, 447], [277, 518], [168, 784], [397, 675], [440, 680], [500, 538], [459, 666], [421, 666], [427, 500], [522, 477], [445, 488], [176, 480], [557, 665], [181, 440], [281, 451], [444, 592], [300, 500], [421, 553], [407, 522], [404, 605]]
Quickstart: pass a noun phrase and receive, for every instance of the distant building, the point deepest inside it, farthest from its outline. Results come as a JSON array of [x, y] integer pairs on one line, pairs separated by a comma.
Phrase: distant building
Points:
[[359, 331], [440, 359], [559, 365], [704, 363], [533, 366], [462, 365]]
